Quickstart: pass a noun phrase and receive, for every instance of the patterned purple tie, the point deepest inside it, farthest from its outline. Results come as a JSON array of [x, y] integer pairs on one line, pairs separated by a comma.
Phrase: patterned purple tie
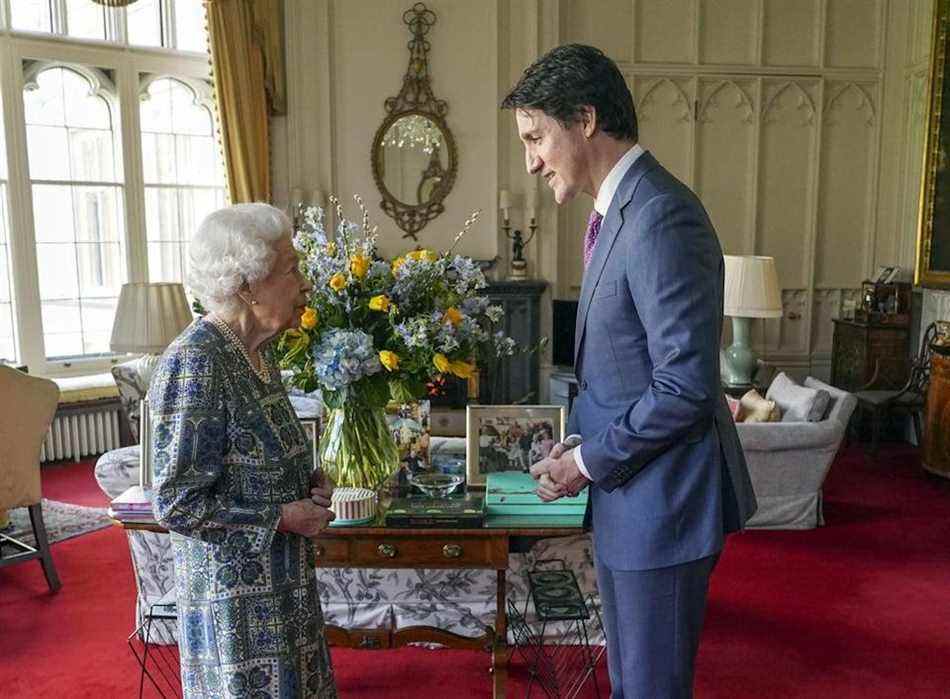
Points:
[[590, 237]]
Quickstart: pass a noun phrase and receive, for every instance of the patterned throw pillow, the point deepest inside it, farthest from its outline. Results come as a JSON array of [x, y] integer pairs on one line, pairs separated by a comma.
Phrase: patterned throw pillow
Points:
[[754, 408]]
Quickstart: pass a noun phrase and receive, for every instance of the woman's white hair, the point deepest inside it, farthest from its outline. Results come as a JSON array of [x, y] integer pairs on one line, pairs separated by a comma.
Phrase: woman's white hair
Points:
[[233, 246]]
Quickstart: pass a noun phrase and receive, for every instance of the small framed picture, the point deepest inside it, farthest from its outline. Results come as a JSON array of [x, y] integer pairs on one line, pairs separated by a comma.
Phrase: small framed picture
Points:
[[509, 438], [884, 274]]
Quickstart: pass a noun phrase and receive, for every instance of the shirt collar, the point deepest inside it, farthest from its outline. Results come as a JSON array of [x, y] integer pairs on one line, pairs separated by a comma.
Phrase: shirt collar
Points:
[[613, 179]]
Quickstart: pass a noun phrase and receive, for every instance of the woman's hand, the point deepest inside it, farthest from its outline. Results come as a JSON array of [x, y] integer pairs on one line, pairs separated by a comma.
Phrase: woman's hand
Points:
[[321, 488], [304, 517]]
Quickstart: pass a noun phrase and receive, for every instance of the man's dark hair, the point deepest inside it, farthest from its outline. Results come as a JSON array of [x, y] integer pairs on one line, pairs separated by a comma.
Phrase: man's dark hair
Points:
[[567, 78]]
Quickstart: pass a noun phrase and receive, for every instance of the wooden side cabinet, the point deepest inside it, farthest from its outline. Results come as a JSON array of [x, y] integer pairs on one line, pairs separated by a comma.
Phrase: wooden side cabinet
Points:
[[935, 455], [859, 347]]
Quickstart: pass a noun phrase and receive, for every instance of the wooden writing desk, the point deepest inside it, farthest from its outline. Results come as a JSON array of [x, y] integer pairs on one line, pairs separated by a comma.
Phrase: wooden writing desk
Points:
[[390, 547]]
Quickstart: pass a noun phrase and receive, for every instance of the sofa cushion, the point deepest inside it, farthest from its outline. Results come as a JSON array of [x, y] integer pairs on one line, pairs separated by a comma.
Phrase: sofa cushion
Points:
[[798, 403], [754, 408]]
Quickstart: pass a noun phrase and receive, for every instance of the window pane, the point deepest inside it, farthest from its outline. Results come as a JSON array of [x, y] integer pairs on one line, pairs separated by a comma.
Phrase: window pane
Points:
[[158, 158], [7, 342], [53, 213], [97, 214], [57, 267], [79, 229], [144, 23], [48, 152], [99, 270], [91, 155], [161, 214], [85, 19], [181, 155], [190, 27], [43, 101], [164, 262], [31, 15]]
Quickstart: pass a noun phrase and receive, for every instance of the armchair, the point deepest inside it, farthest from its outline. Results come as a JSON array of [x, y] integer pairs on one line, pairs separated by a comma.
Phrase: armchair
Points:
[[25, 417], [909, 398], [788, 462]]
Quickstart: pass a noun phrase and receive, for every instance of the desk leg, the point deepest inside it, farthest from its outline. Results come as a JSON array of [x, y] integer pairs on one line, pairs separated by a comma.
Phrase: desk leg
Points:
[[500, 649]]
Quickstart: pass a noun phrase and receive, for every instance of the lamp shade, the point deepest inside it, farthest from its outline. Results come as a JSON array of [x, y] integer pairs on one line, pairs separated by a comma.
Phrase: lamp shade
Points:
[[751, 287], [149, 317]]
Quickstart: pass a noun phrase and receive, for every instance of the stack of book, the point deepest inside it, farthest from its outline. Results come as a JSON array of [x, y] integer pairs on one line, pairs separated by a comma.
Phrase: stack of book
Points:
[[511, 501], [134, 505]]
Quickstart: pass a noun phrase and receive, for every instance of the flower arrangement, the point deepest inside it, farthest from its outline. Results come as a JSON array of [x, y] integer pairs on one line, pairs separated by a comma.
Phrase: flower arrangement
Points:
[[378, 329]]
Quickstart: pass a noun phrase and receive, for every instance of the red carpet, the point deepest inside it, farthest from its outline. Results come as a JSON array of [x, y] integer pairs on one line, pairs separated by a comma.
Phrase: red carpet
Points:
[[859, 608]]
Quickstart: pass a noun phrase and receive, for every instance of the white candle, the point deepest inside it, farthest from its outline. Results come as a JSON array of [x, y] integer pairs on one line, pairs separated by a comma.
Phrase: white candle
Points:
[[532, 202], [296, 198], [504, 203]]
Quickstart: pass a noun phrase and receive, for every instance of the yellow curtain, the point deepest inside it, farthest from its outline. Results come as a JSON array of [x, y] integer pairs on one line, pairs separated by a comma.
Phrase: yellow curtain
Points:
[[246, 42]]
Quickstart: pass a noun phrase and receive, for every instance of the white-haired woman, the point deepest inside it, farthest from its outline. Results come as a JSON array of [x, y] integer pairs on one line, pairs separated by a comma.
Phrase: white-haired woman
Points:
[[233, 477]]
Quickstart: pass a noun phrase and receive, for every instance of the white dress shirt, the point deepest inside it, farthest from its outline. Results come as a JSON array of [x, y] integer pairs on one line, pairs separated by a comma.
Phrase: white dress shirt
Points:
[[605, 196]]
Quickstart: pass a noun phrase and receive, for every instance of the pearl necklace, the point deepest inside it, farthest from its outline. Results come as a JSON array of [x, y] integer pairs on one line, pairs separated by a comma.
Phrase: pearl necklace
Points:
[[263, 371]]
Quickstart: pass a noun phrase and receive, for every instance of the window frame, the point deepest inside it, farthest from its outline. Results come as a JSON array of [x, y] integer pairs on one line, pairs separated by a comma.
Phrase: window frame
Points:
[[126, 67]]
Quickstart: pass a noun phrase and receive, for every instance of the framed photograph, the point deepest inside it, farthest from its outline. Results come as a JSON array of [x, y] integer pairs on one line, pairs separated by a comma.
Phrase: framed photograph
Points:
[[509, 437], [409, 423], [884, 274]]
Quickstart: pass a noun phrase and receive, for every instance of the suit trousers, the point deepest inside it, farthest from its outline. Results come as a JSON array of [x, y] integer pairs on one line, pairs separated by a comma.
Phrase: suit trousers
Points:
[[653, 620]]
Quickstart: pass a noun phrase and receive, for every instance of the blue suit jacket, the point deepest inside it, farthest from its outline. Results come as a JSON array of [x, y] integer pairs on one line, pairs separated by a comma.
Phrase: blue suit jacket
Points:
[[669, 476]]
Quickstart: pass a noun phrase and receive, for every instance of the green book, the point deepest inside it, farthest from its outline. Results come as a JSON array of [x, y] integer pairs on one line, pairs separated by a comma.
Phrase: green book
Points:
[[514, 493]]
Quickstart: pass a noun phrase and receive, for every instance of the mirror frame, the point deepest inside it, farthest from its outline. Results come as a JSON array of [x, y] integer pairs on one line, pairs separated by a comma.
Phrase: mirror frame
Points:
[[415, 98], [937, 131]]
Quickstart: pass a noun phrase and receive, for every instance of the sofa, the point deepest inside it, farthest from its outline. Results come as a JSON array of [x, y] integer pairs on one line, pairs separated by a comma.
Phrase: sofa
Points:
[[788, 462]]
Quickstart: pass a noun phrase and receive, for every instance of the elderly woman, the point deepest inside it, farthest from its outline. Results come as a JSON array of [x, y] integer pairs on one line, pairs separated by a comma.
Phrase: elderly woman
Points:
[[233, 472]]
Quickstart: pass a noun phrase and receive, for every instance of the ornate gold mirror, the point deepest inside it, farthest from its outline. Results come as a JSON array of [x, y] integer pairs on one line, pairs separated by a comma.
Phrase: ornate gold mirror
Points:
[[414, 157], [933, 237]]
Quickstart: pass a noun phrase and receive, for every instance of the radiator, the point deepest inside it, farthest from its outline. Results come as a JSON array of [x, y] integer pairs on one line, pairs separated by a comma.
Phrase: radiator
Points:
[[79, 434]]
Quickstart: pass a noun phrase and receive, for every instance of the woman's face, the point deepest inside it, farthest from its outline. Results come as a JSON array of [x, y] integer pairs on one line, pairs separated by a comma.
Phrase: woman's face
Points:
[[282, 295]]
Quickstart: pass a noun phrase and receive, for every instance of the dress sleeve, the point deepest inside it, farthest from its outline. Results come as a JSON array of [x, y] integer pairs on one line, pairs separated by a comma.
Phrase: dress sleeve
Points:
[[189, 420]]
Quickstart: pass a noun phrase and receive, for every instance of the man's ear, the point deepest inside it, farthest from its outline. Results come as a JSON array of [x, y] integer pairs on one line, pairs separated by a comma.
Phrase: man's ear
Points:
[[589, 120]]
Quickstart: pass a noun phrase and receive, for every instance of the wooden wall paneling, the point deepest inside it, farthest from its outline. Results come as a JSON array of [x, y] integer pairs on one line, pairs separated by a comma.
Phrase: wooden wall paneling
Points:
[[653, 40], [785, 157], [848, 154], [790, 32], [664, 107], [605, 24], [725, 132], [853, 33], [729, 31]]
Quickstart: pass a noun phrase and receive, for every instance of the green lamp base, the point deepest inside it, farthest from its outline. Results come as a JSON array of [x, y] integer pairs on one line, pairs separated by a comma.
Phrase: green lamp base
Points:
[[740, 361]]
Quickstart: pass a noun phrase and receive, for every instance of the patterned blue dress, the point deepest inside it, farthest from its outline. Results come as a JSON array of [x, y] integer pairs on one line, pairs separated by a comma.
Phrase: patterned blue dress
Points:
[[228, 450]]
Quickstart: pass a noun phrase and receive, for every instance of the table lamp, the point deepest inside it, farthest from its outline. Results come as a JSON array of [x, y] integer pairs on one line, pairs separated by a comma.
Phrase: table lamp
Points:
[[751, 291], [149, 316]]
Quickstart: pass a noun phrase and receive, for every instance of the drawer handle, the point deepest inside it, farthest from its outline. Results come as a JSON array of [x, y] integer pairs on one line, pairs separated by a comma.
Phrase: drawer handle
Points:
[[452, 551], [386, 550], [318, 551]]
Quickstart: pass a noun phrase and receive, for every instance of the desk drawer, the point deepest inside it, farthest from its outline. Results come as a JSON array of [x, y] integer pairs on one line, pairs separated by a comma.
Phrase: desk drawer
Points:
[[330, 552], [409, 551]]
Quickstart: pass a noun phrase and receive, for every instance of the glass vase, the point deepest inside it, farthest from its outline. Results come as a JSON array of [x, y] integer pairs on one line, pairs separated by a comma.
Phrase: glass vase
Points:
[[357, 448]]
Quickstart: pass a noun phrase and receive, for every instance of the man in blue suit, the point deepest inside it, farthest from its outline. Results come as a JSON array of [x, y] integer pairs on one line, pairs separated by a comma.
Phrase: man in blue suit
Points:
[[650, 430]]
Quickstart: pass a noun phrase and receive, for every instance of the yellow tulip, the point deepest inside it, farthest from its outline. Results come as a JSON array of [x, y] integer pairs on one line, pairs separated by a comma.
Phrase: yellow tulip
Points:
[[359, 265], [331, 248], [379, 303], [338, 282], [308, 321], [390, 360], [452, 315], [397, 263], [461, 369], [441, 362]]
